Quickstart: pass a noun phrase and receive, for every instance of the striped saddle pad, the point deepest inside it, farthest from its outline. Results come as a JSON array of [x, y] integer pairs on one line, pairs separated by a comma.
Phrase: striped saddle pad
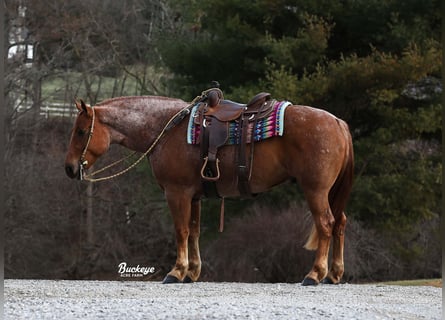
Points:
[[271, 126]]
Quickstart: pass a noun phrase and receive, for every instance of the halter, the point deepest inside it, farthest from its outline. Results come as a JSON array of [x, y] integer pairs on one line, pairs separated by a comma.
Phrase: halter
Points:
[[82, 161]]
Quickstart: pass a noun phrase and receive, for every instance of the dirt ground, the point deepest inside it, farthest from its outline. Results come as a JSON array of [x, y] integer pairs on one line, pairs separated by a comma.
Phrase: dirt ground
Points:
[[50, 299]]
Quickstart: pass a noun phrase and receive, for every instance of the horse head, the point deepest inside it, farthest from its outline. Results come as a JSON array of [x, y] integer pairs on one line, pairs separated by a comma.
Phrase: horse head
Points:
[[89, 140]]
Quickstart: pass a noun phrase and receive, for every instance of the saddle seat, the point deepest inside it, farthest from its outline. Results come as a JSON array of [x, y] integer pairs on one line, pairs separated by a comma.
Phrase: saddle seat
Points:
[[227, 110]]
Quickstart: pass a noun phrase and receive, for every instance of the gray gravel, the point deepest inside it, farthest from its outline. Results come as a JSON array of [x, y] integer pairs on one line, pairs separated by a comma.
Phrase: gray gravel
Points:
[[48, 299]]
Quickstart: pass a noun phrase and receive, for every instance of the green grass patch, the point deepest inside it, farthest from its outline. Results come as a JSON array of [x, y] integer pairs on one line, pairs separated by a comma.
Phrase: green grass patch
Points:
[[62, 86], [65, 86], [418, 282]]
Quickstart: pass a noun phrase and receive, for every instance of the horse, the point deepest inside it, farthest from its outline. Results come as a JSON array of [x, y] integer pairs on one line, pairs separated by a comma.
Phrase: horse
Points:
[[315, 150]]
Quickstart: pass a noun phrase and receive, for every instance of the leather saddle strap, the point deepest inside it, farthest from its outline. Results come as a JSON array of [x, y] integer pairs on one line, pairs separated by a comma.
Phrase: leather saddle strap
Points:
[[209, 187], [243, 165]]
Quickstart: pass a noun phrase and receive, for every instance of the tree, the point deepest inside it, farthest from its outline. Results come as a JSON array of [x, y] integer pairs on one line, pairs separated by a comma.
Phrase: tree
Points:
[[234, 41], [375, 64], [80, 48]]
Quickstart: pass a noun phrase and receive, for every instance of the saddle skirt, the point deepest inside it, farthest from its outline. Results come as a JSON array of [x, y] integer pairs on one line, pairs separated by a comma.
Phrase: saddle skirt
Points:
[[268, 127]]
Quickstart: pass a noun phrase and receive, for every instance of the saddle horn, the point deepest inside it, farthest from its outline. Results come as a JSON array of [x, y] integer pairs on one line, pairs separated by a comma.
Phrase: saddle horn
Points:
[[214, 96]]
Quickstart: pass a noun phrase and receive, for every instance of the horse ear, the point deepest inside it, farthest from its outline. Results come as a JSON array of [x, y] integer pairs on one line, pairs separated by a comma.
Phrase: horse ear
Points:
[[81, 106], [78, 105]]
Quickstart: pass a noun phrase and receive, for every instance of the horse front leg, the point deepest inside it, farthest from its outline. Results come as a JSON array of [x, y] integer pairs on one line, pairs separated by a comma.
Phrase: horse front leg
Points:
[[180, 208], [194, 269], [324, 223]]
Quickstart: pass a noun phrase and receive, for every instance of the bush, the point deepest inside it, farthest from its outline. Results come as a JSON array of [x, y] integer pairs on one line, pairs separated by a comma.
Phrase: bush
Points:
[[266, 245], [263, 246]]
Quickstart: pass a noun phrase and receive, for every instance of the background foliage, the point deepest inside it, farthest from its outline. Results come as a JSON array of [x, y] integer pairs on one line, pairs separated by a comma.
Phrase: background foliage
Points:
[[376, 64]]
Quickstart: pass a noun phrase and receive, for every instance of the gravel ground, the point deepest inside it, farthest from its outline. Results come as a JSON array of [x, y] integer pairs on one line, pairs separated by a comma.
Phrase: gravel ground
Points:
[[49, 299]]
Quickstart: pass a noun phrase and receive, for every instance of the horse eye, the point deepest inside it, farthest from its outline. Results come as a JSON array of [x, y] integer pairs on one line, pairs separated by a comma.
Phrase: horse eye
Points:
[[81, 132]]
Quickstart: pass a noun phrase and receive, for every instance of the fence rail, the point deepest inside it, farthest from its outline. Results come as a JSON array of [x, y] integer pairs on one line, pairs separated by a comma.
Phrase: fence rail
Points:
[[51, 109], [57, 110]]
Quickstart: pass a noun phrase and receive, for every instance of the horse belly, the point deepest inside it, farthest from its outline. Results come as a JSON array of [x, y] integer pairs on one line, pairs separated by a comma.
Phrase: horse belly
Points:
[[268, 167]]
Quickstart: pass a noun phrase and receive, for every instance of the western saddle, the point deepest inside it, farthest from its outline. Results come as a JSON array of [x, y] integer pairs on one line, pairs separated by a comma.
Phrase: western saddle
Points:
[[214, 115]]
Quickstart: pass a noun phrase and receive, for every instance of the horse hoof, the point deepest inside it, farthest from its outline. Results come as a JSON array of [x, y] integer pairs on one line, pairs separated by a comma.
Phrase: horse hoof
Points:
[[170, 279], [309, 282], [187, 279], [327, 280]]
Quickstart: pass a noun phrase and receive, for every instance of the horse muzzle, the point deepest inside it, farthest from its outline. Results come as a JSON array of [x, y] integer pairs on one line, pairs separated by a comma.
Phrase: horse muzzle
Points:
[[73, 171]]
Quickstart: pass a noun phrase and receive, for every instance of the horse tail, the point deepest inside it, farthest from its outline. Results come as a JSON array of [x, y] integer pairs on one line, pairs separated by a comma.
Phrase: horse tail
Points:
[[312, 240], [340, 191]]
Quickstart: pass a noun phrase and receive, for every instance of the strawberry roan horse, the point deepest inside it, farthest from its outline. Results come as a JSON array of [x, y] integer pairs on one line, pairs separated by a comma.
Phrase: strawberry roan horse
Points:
[[315, 149]]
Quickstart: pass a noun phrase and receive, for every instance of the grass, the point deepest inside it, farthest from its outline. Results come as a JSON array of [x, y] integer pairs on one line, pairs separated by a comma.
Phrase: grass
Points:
[[418, 282], [66, 85]]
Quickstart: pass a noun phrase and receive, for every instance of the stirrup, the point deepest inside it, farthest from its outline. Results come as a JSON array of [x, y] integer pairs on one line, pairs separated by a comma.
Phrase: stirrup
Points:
[[203, 176]]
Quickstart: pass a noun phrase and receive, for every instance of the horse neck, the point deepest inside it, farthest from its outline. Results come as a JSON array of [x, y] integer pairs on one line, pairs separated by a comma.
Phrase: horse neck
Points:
[[137, 121]]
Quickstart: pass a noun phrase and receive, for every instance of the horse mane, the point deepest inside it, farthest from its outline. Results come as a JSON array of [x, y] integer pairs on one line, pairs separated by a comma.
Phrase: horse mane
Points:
[[117, 99]]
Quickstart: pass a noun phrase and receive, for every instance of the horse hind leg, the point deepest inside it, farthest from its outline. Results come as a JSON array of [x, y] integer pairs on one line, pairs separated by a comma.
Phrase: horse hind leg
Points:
[[320, 236], [338, 197], [194, 268], [337, 265]]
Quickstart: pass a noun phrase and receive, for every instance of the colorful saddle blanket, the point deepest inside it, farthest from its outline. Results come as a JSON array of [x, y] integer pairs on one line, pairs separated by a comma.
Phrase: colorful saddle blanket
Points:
[[271, 126]]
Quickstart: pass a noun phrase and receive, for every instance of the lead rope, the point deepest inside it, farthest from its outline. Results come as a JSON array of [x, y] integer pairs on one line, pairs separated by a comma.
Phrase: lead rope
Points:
[[179, 115], [221, 216]]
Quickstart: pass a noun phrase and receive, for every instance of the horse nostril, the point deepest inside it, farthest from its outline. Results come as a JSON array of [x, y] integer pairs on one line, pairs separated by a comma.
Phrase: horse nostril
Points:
[[69, 171]]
